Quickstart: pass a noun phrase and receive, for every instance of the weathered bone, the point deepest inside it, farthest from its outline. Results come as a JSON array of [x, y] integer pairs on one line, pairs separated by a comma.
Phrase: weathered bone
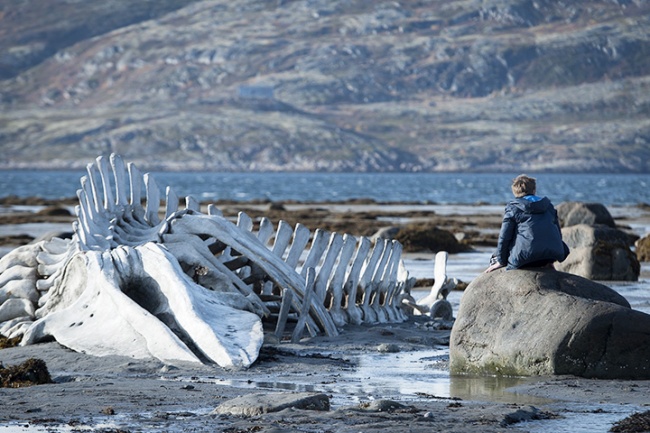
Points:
[[190, 286], [435, 304]]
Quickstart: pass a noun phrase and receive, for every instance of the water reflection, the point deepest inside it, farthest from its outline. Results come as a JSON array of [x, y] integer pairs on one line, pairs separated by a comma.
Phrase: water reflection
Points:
[[404, 376], [492, 388]]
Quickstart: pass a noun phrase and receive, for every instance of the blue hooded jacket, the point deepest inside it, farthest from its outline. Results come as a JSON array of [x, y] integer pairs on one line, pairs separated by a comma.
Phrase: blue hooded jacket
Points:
[[530, 232]]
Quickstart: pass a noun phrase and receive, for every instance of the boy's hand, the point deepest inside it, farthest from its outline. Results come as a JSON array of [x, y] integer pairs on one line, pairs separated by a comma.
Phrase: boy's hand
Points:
[[493, 267]]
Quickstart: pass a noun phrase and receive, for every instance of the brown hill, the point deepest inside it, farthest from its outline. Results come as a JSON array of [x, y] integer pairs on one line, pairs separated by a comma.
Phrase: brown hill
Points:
[[500, 85]]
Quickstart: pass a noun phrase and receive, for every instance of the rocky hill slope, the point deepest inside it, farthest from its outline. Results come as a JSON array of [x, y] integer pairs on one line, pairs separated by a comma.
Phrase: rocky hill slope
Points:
[[331, 85]]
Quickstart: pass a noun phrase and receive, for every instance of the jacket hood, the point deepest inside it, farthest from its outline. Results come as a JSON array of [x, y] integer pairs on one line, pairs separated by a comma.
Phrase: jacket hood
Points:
[[532, 203]]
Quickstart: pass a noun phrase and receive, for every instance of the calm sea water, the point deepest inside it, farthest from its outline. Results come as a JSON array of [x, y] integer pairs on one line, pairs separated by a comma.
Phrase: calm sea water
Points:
[[441, 188]]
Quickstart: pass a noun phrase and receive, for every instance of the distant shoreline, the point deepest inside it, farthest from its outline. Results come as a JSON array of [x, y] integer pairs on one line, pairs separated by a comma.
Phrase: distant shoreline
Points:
[[377, 188]]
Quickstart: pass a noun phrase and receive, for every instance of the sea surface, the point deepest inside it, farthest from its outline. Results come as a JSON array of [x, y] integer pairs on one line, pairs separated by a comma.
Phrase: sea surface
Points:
[[440, 188]]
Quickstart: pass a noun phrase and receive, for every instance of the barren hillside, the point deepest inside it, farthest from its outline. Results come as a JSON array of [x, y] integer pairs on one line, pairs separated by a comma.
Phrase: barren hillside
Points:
[[329, 85]]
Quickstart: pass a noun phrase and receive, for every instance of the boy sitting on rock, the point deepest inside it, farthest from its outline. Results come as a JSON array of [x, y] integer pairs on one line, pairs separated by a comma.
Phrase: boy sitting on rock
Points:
[[530, 234]]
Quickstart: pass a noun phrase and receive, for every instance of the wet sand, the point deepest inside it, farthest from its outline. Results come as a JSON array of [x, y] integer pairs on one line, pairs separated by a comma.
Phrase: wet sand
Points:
[[121, 394], [411, 368]]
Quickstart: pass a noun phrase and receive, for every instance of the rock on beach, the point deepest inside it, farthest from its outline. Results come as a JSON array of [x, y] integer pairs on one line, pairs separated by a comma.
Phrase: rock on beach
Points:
[[599, 252], [258, 404], [572, 213], [544, 322]]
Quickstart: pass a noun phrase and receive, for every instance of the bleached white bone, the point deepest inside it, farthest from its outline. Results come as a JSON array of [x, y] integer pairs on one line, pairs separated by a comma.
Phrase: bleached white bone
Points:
[[16, 307], [374, 293], [9, 327], [19, 329], [24, 288], [388, 283], [96, 302], [332, 251], [244, 242], [336, 283], [282, 238], [435, 304], [18, 272], [160, 315], [193, 258], [22, 256], [354, 312], [300, 239]]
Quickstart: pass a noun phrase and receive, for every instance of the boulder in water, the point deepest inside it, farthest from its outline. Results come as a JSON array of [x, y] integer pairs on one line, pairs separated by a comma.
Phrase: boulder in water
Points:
[[599, 253], [571, 213]]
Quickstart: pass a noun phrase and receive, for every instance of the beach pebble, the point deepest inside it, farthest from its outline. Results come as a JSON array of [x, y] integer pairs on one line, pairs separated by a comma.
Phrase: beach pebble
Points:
[[168, 368], [388, 348]]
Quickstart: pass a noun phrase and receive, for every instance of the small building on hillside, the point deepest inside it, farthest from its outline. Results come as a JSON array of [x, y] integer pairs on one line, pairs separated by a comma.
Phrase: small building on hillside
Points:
[[255, 91]]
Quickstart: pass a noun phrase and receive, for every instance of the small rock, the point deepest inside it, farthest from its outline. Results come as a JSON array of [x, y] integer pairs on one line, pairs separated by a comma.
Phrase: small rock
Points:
[[167, 368], [528, 414], [257, 404], [388, 348], [277, 206], [108, 411], [384, 406], [385, 233]]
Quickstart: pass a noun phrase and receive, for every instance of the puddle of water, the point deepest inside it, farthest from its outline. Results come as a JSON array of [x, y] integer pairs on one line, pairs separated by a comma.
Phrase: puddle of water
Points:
[[400, 375], [142, 421], [24, 427], [405, 376], [493, 389], [587, 418]]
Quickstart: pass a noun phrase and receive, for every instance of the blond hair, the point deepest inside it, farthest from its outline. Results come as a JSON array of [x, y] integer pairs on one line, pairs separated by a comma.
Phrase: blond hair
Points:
[[523, 185]]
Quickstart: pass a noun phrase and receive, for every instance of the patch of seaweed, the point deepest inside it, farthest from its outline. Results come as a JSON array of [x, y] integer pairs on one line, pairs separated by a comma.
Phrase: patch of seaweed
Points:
[[6, 343], [635, 423], [31, 372], [417, 237]]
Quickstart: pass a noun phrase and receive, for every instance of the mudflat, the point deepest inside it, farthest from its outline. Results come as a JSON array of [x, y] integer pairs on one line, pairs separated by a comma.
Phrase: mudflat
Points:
[[121, 394]]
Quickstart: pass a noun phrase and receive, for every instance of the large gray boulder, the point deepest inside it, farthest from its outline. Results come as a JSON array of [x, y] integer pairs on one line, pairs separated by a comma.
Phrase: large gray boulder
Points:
[[545, 322], [599, 253], [571, 213]]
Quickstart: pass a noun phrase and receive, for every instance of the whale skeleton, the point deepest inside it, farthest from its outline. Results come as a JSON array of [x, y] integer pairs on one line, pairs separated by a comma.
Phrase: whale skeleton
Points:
[[187, 285]]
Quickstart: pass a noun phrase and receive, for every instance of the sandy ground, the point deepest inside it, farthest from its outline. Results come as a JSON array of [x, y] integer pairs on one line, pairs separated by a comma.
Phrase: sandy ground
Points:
[[405, 363]]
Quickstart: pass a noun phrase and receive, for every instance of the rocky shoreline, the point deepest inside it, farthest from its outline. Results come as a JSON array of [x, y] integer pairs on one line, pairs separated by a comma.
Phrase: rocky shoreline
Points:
[[122, 394]]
